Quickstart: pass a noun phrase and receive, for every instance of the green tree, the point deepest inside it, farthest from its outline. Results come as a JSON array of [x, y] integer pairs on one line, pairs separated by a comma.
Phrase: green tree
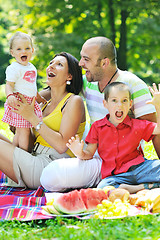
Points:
[[4, 55], [64, 25]]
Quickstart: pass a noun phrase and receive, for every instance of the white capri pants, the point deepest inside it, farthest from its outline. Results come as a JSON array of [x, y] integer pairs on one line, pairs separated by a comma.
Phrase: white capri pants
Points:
[[68, 173]]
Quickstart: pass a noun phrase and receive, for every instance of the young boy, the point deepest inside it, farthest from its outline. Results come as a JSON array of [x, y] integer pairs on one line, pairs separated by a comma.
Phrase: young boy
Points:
[[117, 138]]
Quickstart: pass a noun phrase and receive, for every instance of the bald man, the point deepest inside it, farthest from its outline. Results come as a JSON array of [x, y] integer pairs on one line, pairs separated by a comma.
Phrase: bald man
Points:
[[99, 60]]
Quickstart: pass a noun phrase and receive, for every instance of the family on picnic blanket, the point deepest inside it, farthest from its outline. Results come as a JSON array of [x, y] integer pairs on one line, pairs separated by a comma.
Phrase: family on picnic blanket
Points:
[[122, 115]]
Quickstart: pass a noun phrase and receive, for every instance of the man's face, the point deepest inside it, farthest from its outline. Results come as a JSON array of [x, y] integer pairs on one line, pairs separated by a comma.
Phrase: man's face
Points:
[[91, 62]]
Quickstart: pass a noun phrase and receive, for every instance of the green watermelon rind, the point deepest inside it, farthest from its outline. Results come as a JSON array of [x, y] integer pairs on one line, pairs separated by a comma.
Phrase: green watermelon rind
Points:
[[63, 211]]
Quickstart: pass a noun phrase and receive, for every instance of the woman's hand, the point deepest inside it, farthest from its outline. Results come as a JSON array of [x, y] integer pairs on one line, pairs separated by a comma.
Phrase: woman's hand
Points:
[[25, 109]]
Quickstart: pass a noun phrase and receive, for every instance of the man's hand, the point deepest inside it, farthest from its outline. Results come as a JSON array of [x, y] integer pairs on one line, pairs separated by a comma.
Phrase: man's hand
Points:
[[40, 99], [156, 95]]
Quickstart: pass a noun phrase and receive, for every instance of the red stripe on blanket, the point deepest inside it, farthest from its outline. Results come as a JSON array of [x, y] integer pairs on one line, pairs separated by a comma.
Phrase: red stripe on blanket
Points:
[[19, 203]]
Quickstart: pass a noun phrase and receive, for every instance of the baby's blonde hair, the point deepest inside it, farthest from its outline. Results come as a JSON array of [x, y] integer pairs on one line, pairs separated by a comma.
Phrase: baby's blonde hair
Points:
[[19, 35]]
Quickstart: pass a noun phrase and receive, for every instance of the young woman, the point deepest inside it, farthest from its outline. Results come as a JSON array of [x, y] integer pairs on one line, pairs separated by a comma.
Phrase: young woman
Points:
[[63, 117]]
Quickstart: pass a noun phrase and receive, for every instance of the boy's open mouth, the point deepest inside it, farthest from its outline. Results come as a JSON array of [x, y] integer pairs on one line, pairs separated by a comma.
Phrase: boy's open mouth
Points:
[[119, 114]]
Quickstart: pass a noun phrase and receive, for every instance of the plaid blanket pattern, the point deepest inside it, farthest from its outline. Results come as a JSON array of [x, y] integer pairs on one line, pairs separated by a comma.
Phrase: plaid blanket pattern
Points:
[[19, 203]]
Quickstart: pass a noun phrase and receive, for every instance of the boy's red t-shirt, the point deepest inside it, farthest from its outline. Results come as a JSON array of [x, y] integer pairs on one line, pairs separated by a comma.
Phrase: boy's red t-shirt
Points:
[[118, 146]]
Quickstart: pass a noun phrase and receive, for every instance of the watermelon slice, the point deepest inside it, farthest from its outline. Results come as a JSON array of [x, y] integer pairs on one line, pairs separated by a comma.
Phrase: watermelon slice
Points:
[[92, 197], [70, 203]]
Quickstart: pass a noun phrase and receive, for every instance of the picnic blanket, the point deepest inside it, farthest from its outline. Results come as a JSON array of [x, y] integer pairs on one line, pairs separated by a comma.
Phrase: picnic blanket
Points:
[[26, 204], [20, 203]]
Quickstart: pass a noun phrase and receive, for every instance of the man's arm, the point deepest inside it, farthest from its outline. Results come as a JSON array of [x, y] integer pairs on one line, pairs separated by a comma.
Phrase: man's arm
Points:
[[46, 93], [156, 140], [150, 117]]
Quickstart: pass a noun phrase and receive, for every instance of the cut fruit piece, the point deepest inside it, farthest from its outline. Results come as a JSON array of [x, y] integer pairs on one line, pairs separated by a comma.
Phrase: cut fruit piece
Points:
[[108, 188], [92, 197], [50, 209], [69, 203], [118, 193]]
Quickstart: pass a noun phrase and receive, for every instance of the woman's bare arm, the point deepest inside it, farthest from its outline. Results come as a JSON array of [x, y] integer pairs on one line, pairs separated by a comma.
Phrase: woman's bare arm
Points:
[[73, 115]]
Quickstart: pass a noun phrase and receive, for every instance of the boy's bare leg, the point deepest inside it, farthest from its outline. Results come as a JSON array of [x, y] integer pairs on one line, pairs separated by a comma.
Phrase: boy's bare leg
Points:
[[132, 188]]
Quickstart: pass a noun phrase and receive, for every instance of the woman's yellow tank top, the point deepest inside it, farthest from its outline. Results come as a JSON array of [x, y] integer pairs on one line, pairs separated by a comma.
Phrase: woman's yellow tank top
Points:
[[53, 121]]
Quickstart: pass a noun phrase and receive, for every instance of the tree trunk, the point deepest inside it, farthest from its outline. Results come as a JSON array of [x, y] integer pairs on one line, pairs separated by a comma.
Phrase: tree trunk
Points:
[[99, 10], [122, 51], [112, 20]]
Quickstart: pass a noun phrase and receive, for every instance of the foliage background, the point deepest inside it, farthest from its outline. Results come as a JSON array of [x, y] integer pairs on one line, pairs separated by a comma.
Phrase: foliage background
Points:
[[64, 25]]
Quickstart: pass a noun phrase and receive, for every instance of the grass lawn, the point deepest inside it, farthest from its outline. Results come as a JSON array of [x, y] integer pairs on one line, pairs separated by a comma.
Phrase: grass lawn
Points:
[[140, 227]]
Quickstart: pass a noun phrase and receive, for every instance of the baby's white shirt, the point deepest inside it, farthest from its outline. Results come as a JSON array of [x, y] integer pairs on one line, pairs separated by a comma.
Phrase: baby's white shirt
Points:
[[24, 78]]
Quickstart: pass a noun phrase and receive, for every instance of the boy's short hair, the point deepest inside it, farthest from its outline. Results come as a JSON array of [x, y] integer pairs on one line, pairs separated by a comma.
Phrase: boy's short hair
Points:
[[19, 35], [120, 85]]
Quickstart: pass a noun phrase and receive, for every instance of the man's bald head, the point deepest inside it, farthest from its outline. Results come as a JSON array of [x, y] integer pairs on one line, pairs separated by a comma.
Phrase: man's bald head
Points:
[[106, 48]]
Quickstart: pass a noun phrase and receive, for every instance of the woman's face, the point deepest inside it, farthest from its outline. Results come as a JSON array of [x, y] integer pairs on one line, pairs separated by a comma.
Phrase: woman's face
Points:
[[57, 72]]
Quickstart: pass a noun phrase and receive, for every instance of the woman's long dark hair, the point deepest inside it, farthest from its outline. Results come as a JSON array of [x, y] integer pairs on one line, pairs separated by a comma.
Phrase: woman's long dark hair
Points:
[[76, 71]]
